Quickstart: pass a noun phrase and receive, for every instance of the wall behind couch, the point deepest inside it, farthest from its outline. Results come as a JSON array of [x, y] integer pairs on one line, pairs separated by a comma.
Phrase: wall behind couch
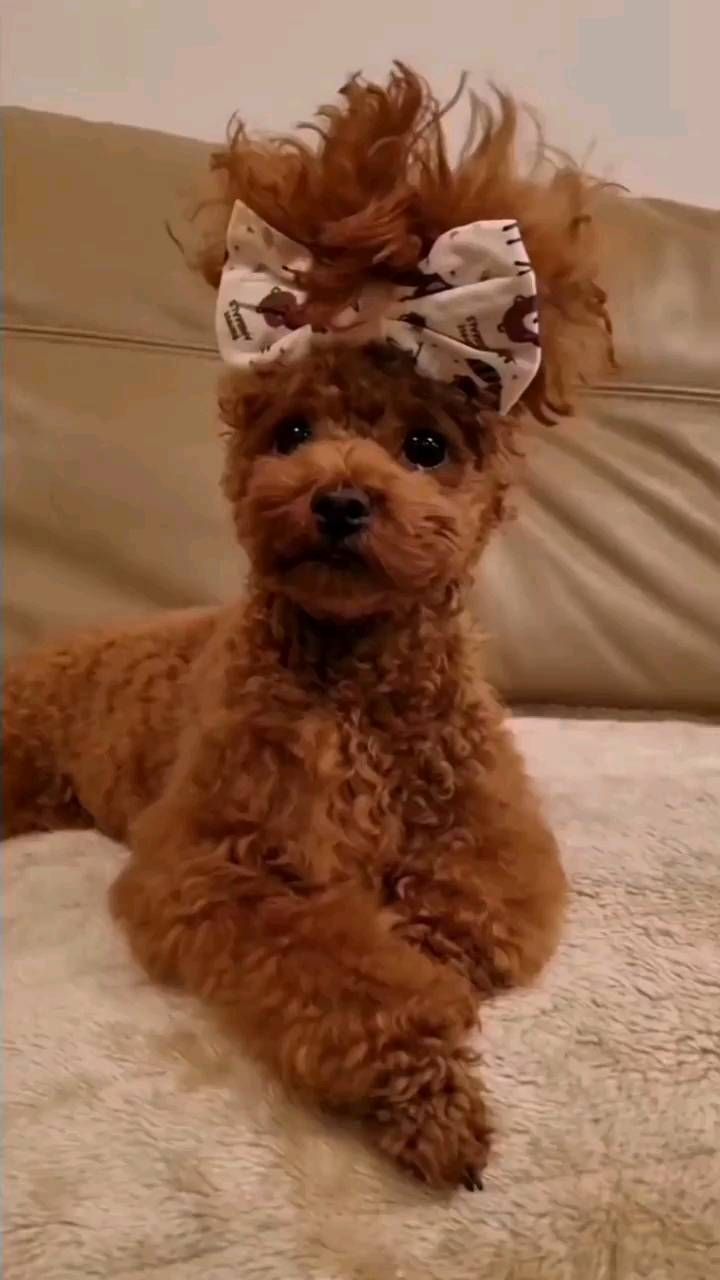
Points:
[[639, 77]]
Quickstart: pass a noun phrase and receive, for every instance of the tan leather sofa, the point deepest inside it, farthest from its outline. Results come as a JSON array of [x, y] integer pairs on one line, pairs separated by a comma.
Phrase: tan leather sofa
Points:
[[604, 591]]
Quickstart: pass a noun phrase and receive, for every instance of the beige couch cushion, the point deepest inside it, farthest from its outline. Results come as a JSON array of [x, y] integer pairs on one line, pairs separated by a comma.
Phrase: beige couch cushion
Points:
[[605, 589]]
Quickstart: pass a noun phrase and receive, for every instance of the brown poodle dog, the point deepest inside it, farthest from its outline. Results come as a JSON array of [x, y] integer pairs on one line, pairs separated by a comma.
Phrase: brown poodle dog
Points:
[[333, 838]]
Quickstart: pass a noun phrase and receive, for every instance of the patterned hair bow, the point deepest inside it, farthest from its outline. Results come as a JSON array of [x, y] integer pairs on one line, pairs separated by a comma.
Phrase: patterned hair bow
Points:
[[467, 314]]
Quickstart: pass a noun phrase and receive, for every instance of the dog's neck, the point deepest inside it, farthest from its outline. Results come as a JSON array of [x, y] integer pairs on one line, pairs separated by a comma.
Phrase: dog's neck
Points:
[[417, 651]]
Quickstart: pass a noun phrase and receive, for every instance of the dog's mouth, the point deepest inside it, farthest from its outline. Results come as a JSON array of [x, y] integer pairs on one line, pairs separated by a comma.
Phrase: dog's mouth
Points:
[[341, 559]]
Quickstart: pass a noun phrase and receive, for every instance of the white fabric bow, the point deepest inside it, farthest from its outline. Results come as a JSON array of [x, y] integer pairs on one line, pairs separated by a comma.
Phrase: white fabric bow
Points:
[[467, 313]]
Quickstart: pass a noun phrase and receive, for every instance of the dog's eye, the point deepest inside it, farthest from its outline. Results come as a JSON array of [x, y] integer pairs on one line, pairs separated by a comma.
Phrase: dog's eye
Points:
[[425, 448], [291, 433]]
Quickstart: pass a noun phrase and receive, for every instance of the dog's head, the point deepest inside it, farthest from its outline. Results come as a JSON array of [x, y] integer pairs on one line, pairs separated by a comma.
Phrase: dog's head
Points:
[[358, 482]]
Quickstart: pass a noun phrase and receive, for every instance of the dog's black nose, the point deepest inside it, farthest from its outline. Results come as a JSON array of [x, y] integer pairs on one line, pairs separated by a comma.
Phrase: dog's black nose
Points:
[[341, 513]]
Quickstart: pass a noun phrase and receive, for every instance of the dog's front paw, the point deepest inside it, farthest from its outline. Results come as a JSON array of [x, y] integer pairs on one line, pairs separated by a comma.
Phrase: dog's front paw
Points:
[[457, 955], [440, 1131]]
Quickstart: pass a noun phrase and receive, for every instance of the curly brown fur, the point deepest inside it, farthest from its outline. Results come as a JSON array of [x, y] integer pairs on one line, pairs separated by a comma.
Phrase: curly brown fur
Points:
[[380, 189], [333, 838]]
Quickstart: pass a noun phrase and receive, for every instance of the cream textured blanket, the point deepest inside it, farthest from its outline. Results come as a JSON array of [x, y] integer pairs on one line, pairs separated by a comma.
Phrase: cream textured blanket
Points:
[[139, 1145]]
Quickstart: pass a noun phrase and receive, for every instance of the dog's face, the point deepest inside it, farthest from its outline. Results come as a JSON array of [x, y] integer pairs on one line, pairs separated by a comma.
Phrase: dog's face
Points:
[[357, 487]]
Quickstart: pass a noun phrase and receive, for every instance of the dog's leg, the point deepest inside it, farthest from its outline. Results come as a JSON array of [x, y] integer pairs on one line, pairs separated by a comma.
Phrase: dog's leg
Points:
[[342, 1008], [36, 794], [491, 906]]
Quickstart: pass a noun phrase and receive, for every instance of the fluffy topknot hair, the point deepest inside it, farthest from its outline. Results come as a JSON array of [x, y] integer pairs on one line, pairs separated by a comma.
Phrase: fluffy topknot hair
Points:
[[373, 194]]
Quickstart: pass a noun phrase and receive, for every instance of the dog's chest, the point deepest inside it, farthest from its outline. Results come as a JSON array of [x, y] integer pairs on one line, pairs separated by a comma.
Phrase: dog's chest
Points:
[[369, 788]]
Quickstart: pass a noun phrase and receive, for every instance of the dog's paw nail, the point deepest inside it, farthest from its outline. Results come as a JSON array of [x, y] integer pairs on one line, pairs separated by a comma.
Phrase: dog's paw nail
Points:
[[472, 1181]]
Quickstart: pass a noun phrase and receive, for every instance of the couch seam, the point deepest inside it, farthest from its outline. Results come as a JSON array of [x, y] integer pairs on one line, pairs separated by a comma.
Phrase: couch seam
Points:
[[614, 389], [92, 338]]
